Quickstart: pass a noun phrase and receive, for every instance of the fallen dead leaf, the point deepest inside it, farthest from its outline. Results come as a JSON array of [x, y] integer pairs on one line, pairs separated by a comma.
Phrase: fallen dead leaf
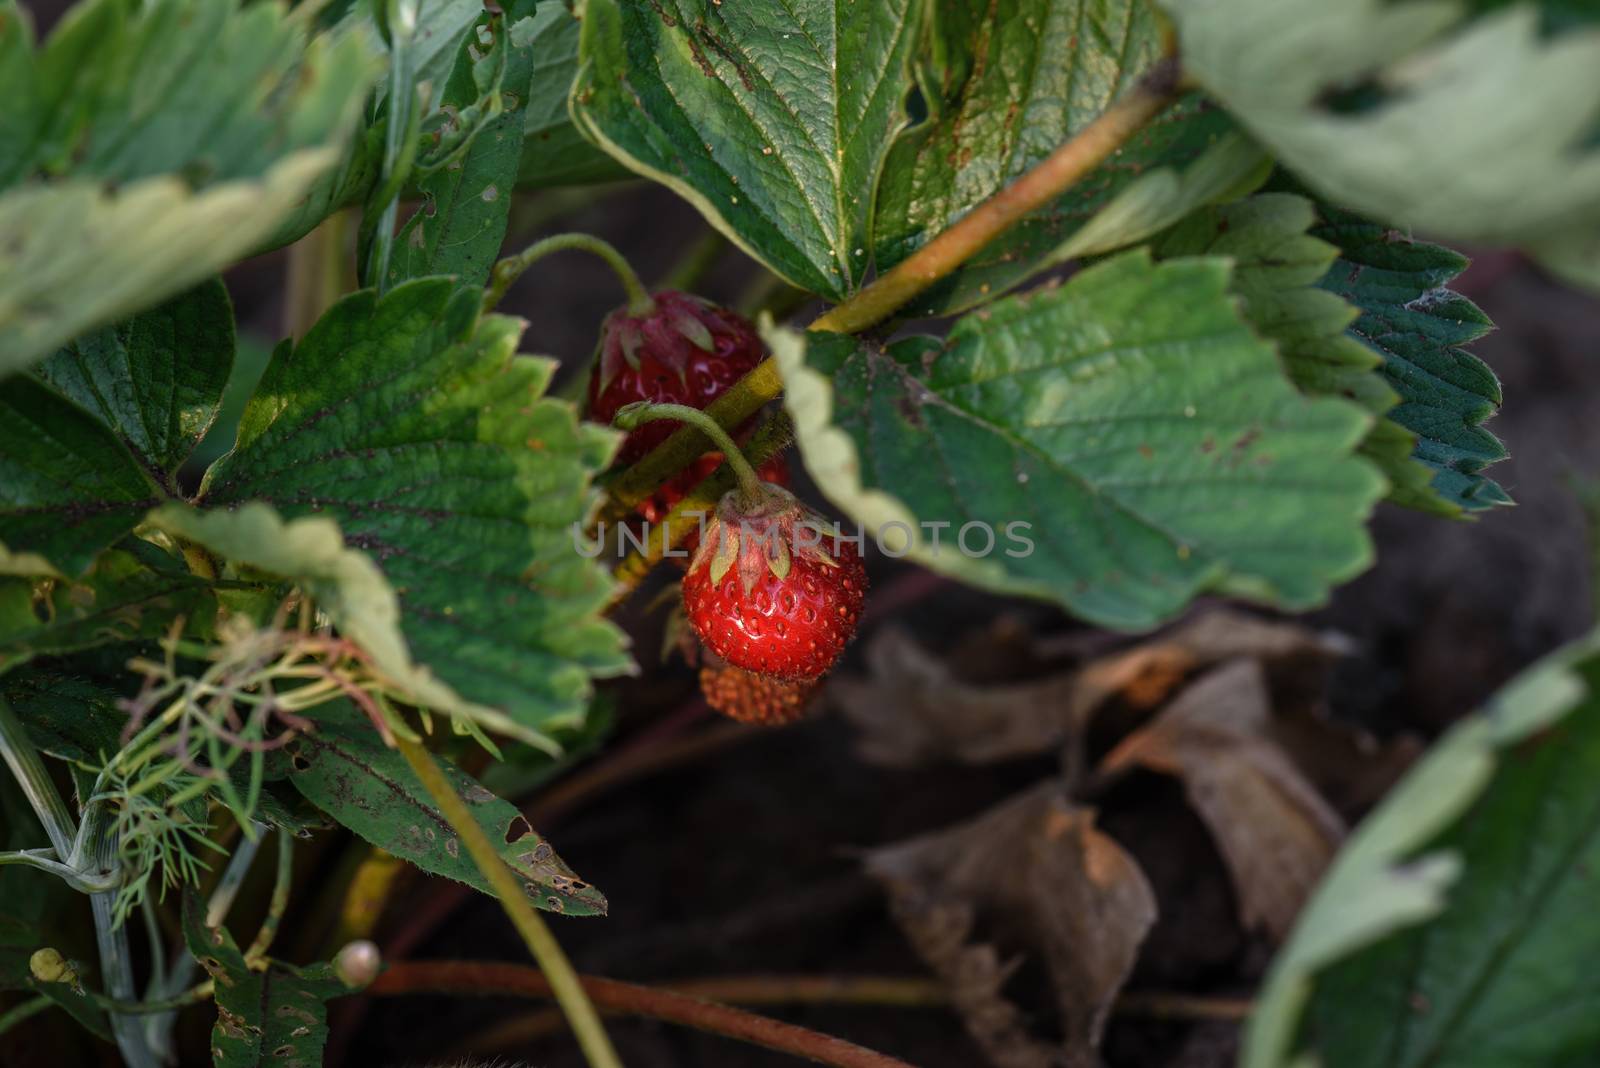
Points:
[[1037, 877], [1276, 833]]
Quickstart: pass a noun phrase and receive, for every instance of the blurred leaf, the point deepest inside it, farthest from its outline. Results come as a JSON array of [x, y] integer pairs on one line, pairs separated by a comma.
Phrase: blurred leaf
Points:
[[1273, 829], [417, 428], [1012, 81], [68, 717], [553, 151], [461, 222], [1062, 891], [273, 1015], [1478, 132], [1128, 441], [1457, 926], [345, 769], [770, 116], [155, 144]]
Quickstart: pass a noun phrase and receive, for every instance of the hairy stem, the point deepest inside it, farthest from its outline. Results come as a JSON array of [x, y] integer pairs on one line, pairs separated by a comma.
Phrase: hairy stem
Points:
[[557, 975], [508, 270], [1053, 175], [499, 980], [633, 415]]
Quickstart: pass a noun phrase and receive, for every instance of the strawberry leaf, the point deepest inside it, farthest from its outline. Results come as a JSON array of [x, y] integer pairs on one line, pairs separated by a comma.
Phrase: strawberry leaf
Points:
[[1148, 437]]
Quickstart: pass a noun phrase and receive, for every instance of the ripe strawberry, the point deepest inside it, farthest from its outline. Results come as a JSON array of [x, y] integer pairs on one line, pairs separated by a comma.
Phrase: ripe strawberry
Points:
[[752, 698], [660, 504], [683, 351], [770, 596]]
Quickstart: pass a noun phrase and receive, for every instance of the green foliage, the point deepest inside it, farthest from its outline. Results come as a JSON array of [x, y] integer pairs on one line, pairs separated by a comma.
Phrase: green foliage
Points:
[[1005, 83], [1480, 132], [413, 424], [347, 772], [276, 1015], [1147, 435], [553, 152], [772, 116], [146, 146], [1465, 892]]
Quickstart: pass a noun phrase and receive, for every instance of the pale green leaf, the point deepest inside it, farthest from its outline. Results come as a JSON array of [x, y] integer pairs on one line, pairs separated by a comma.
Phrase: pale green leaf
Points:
[[1477, 131], [1146, 435], [1010, 82], [771, 116], [345, 769], [161, 142], [1440, 936], [414, 426]]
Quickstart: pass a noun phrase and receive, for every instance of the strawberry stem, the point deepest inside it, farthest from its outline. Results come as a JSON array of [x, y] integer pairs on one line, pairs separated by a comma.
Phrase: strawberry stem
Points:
[[508, 270], [632, 415]]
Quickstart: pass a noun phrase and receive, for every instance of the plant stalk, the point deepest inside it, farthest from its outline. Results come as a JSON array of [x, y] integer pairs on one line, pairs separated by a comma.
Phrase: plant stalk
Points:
[[553, 964], [508, 270]]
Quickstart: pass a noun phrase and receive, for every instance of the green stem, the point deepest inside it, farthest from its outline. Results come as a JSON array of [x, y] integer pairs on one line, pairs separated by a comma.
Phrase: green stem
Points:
[[22, 1011], [129, 1007], [508, 270], [632, 415], [280, 899], [28, 768], [553, 963]]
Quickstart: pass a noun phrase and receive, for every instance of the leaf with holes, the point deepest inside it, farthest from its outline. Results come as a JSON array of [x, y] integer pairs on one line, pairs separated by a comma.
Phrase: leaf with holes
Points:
[[274, 1014], [1456, 929], [1017, 79], [415, 426], [1119, 444], [345, 770], [1472, 129], [771, 116], [160, 142], [466, 204]]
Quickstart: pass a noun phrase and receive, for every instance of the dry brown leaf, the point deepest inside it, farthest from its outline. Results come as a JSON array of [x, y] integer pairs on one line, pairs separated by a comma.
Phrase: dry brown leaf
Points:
[[913, 710], [1274, 830], [1039, 878]]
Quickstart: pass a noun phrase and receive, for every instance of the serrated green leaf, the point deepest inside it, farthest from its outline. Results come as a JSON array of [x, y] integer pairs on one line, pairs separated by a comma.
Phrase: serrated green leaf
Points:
[[1417, 325], [466, 204], [1279, 273], [553, 151], [771, 116], [276, 1015], [418, 429], [1456, 928], [1140, 427], [1478, 131], [70, 718], [158, 143], [345, 769], [1017, 79], [131, 591], [155, 380]]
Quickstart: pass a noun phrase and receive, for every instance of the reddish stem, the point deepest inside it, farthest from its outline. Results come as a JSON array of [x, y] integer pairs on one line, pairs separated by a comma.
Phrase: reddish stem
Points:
[[516, 980]]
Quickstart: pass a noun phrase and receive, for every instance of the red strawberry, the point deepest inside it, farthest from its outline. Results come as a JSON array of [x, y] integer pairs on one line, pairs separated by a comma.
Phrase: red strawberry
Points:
[[752, 698], [660, 504], [683, 351], [770, 590]]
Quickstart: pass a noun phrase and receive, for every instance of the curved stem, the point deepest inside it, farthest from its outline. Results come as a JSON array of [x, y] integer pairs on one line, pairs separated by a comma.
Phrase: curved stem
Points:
[[555, 971], [466, 977], [632, 415], [280, 899], [508, 270], [1059, 171]]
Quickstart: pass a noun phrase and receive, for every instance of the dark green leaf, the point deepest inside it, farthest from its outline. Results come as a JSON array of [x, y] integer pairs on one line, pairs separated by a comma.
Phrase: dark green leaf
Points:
[[771, 116], [348, 772], [466, 204], [417, 428], [1417, 325], [68, 486], [155, 143], [553, 152], [70, 718], [275, 1016], [1457, 927], [156, 380], [1146, 436], [1019, 77]]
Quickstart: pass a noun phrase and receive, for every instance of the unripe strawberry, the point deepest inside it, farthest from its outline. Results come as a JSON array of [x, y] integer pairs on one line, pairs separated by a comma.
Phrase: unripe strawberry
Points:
[[752, 698], [684, 350]]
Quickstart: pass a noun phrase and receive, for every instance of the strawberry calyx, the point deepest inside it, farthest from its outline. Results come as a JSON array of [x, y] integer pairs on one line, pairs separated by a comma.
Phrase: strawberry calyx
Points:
[[761, 531]]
